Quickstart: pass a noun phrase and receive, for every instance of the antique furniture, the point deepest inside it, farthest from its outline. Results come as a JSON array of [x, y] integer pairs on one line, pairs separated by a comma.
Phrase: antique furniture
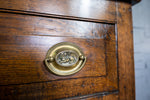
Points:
[[66, 49]]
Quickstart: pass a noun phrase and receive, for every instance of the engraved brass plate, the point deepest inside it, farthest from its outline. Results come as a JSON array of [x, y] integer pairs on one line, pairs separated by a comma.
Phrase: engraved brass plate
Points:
[[65, 59]]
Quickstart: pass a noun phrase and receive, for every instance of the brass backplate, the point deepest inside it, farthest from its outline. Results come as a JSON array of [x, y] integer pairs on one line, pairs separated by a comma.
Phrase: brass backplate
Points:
[[65, 58]]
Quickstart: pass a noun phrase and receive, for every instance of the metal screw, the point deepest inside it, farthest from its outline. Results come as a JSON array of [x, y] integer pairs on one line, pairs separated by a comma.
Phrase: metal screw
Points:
[[81, 57], [50, 59]]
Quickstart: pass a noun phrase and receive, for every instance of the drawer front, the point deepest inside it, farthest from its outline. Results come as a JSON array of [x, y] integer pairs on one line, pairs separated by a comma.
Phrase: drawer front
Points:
[[101, 28], [79, 9], [24, 42], [29, 28]]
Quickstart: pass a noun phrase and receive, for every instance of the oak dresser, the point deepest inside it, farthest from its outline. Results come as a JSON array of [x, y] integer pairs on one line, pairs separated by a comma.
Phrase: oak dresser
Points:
[[66, 49]]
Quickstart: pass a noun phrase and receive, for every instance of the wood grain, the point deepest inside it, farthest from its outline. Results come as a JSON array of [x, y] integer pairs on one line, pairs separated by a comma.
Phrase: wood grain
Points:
[[15, 24], [24, 55], [125, 52], [29, 28], [55, 89], [94, 9], [35, 44], [24, 76], [22, 58]]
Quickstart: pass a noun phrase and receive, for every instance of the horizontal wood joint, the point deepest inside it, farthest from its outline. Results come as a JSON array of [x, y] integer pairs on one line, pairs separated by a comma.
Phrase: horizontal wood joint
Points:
[[31, 13]]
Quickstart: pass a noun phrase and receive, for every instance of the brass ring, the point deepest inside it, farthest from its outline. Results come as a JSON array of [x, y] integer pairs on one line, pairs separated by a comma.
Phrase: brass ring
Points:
[[65, 58]]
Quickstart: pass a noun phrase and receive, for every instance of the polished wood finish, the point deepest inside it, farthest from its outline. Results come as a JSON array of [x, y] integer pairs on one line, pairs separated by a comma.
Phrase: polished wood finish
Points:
[[33, 41], [56, 89], [24, 55], [103, 10], [125, 52], [102, 28], [14, 24]]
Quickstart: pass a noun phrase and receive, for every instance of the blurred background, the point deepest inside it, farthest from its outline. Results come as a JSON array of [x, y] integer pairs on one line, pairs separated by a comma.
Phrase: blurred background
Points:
[[141, 30]]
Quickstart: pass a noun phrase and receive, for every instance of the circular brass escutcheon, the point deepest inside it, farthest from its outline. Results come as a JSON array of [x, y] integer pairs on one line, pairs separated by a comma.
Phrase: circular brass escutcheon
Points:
[[65, 58]]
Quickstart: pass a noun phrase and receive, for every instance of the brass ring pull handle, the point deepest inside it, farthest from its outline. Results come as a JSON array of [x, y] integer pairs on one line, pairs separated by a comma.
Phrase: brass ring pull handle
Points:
[[65, 59]]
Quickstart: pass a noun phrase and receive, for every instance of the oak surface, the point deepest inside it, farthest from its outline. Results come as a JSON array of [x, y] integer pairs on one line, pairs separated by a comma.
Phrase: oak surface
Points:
[[56, 89], [23, 73], [103, 9], [102, 28], [16, 24], [22, 58], [125, 52]]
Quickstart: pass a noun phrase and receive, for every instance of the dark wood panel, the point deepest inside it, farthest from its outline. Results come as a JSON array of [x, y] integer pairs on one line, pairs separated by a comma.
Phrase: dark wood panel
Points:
[[125, 52], [14, 24], [56, 89], [22, 58], [94, 9]]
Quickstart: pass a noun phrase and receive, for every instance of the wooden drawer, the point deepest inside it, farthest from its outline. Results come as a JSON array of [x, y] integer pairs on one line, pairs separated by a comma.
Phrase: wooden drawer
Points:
[[103, 10], [101, 28], [24, 41]]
